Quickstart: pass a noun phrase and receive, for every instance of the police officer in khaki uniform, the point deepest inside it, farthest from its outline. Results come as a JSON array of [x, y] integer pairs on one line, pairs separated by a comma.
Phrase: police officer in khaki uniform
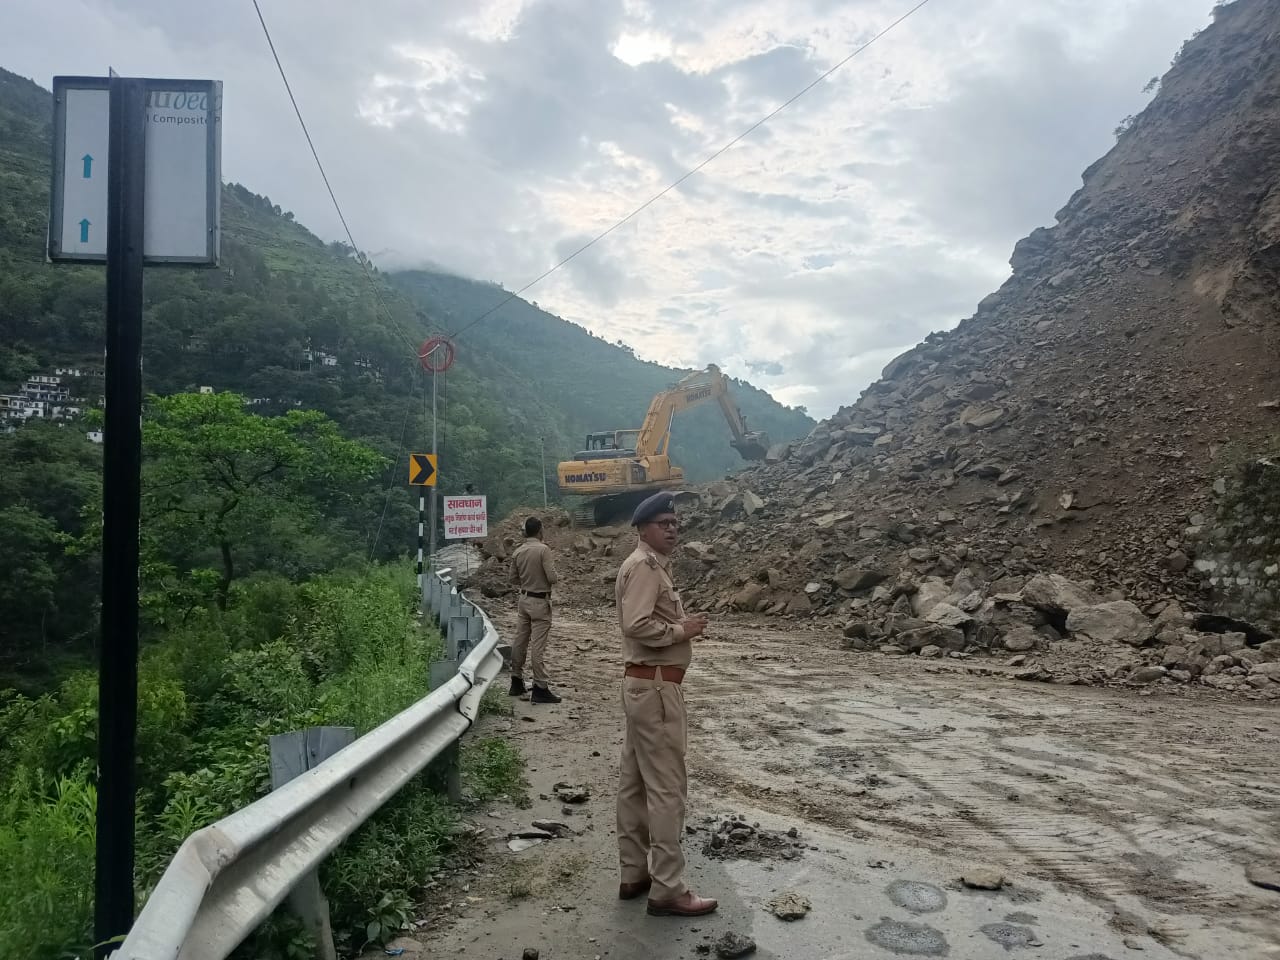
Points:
[[657, 640], [533, 573]]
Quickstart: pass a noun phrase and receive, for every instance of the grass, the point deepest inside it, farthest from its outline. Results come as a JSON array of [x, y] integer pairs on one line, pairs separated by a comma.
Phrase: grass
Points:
[[518, 881], [493, 768], [496, 703]]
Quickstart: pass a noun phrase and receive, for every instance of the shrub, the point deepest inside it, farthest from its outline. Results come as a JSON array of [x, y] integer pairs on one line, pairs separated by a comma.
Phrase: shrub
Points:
[[46, 866], [343, 649]]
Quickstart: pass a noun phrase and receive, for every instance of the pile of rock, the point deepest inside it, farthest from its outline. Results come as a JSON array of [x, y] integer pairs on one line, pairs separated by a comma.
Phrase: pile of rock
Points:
[[1093, 638], [734, 838]]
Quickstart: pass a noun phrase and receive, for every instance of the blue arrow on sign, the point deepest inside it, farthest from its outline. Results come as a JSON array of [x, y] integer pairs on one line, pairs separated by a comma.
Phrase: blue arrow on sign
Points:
[[84, 231], [88, 166]]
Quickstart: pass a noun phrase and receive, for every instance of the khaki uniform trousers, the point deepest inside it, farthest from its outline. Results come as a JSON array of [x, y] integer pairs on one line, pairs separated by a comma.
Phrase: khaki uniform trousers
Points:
[[532, 627], [652, 785]]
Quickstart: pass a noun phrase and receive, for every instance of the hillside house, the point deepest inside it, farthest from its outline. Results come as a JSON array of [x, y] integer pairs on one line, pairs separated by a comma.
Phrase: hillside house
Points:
[[43, 397]]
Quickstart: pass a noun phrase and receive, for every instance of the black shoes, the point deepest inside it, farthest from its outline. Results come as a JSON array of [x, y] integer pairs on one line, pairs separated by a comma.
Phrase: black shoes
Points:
[[543, 695], [538, 694]]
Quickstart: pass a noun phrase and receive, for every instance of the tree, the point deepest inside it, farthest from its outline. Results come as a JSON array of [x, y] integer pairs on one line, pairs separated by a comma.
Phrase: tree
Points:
[[27, 587], [222, 481], [50, 483]]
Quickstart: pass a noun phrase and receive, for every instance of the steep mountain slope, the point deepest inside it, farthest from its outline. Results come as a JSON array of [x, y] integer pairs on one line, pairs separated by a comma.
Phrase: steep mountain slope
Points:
[[1079, 417], [289, 319]]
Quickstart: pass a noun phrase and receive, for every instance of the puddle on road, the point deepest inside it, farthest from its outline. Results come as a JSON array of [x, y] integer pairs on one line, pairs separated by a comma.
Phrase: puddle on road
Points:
[[913, 939], [916, 897], [1010, 935]]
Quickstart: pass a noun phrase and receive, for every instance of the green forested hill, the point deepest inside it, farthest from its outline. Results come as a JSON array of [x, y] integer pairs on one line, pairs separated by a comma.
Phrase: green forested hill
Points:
[[521, 375]]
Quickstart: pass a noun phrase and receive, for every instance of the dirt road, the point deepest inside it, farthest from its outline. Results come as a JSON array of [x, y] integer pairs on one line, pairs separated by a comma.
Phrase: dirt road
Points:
[[1122, 822]]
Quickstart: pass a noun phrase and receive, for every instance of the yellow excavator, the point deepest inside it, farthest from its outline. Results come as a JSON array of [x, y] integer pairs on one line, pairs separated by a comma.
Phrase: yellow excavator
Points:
[[620, 468]]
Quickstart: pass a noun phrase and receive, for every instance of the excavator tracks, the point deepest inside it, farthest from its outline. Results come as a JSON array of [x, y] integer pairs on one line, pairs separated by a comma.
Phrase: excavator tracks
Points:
[[608, 511]]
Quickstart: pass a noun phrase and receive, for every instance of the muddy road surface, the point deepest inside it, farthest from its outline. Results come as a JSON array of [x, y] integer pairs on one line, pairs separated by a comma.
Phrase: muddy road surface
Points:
[[1122, 821]]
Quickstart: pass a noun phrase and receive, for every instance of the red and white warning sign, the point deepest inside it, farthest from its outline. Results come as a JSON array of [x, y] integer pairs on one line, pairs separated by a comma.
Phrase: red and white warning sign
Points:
[[465, 517]]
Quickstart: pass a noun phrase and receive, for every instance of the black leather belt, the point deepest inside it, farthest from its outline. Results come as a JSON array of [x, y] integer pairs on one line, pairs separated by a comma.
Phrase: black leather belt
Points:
[[646, 672], [536, 596]]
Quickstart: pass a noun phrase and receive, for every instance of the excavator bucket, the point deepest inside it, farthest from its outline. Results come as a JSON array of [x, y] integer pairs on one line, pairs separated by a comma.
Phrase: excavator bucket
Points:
[[752, 446]]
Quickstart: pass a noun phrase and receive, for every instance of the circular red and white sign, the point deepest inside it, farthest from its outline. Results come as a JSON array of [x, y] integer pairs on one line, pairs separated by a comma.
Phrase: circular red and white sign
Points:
[[436, 354]]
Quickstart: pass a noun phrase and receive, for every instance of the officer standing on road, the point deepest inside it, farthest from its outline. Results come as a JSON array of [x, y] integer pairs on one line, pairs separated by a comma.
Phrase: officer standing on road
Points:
[[652, 782], [533, 573]]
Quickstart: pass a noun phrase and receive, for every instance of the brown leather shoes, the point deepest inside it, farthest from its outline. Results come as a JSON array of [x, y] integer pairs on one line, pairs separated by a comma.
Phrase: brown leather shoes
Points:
[[687, 905], [629, 891]]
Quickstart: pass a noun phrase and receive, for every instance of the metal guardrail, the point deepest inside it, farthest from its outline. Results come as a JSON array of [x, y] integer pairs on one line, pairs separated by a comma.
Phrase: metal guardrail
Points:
[[226, 878]]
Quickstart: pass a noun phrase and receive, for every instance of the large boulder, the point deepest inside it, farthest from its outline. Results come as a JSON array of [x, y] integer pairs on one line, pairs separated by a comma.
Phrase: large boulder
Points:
[[1021, 639], [799, 605], [900, 364], [1057, 595], [701, 551], [930, 593], [749, 597], [933, 634], [949, 616], [983, 416], [740, 505], [855, 579], [1116, 622]]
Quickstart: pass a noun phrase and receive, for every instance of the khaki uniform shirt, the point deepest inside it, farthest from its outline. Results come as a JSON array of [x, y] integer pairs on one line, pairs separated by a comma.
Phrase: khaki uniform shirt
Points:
[[533, 567], [650, 612]]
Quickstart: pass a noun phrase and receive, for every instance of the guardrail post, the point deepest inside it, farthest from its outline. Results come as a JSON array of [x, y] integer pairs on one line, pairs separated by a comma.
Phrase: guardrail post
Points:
[[442, 671], [293, 754], [455, 639], [457, 633]]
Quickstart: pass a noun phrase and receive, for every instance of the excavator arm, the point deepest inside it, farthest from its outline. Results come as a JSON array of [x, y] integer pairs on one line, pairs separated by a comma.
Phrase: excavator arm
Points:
[[696, 388]]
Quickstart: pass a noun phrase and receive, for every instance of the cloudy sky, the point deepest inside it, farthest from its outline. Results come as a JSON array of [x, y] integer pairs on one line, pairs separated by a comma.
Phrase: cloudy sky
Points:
[[493, 137]]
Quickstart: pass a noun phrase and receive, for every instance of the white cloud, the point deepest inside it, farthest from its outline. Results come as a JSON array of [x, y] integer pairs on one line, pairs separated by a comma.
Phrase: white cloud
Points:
[[493, 136]]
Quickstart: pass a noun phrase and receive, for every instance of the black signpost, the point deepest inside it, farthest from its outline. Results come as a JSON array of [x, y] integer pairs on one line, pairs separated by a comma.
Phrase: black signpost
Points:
[[121, 508], [127, 217]]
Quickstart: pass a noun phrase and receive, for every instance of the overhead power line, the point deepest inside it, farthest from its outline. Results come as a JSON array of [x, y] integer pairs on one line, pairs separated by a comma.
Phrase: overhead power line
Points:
[[360, 256], [689, 173]]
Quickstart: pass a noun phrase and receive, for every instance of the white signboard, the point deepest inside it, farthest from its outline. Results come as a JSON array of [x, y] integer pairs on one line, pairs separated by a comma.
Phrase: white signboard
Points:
[[182, 207], [465, 517]]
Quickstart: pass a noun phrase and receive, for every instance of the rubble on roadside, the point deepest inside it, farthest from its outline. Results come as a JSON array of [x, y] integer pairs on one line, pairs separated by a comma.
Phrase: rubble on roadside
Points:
[[733, 838], [1044, 625]]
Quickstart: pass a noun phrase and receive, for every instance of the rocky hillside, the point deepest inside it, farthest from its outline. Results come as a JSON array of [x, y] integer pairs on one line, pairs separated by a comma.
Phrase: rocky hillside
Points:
[[1039, 481], [1078, 421]]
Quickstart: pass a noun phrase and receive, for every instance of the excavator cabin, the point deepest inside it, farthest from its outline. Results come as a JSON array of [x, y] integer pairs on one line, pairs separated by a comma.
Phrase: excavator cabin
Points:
[[606, 446]]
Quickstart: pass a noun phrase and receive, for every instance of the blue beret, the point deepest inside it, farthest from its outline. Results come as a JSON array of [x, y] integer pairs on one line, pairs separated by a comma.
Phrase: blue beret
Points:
[[658, 504]]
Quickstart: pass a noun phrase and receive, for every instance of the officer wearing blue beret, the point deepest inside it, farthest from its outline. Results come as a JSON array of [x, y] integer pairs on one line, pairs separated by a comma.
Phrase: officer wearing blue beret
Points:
[[657, 647]]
